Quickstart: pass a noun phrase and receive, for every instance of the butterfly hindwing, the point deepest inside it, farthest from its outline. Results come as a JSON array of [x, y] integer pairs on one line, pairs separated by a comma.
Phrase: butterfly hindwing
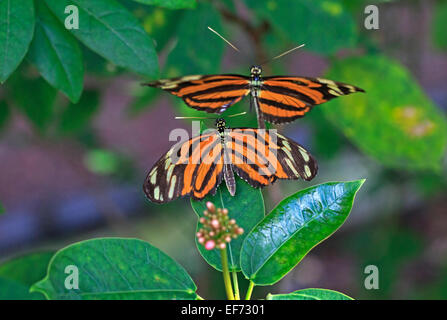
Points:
[[285, 98], [211, 93]]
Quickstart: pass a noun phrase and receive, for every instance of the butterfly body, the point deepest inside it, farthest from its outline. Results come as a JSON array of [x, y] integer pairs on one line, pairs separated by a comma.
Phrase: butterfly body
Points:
[[196, 167], [277, 99]]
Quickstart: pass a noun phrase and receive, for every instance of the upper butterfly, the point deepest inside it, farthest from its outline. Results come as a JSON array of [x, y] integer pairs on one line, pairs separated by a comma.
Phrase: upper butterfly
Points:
[[277, 99], [197, 166]]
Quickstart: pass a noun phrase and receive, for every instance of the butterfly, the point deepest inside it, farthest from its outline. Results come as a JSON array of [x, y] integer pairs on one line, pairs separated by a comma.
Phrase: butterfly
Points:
[[196, 167], [277, 99]]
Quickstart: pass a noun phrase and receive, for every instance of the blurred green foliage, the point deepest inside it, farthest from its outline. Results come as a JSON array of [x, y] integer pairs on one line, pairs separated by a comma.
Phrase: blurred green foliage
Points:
[[439, 33], [18, 274], [394, 123]]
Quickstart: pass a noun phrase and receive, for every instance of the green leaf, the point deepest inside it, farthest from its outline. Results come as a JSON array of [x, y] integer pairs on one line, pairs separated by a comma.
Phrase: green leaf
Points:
[[110, 30], [2, 209], [394, 122], [77, 115], [310, 294], [116, 268], [198, 51], [16, 32], [246, 207], [56, 54], [299, 222], [18, 274], [439, 25], [324, 26], [170, 4]]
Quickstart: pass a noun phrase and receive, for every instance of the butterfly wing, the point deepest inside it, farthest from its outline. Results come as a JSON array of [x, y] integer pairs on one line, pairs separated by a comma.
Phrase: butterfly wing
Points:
[[283, 99], [193, 168], [212, 93], [262, 156]]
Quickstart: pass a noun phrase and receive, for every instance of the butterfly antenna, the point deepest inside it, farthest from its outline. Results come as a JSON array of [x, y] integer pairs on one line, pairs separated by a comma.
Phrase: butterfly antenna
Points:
[[178, 118], [284, 53], [220, 36]]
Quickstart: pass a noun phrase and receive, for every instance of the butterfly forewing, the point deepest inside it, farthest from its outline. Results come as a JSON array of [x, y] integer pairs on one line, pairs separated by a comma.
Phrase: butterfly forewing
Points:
[[212, 93], [190, 168], [262, 156], [283, 98]]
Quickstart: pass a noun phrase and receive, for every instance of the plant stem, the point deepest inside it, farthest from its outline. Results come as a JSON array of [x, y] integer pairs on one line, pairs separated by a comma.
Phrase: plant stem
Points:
[[236, 286], [249, 290], [226, 274]]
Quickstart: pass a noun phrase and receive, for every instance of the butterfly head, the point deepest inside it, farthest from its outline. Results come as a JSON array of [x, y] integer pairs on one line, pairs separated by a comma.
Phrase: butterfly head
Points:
[[255, 71], [221, 125]]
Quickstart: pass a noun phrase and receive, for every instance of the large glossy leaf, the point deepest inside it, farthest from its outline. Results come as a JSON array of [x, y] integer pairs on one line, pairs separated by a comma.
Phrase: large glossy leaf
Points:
[[107, 28], [171, 4], [296, 225], [18, 274], [439, 25], [394, 122], [16, 32], [56, 54], [116, 268], [198, 51], [310, 294], [246, 207], [324, 26]]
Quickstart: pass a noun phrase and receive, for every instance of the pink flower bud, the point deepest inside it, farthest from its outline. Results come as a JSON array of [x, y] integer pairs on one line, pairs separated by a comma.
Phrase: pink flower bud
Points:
[[215, 223], [222, 245], [210, 244], [210, 206], [201, 240]]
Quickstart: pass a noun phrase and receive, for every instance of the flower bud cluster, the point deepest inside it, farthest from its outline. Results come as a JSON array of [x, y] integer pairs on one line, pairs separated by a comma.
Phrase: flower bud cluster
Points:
[[217, 228]]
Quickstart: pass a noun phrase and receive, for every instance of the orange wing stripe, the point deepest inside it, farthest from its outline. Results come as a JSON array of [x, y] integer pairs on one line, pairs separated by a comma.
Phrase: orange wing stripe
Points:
[[316, 95]]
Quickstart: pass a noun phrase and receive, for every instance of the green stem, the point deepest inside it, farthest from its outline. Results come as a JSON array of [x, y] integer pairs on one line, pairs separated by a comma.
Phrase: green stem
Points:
[[226, 274], [199, 298], [249, 290], [236, 286]]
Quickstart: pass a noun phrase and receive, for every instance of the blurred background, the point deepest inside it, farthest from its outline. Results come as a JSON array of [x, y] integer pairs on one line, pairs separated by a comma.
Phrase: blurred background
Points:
[[73, 170]]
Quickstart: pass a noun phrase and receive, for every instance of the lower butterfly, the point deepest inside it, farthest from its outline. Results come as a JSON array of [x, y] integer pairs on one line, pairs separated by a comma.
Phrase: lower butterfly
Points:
[[196, 167]]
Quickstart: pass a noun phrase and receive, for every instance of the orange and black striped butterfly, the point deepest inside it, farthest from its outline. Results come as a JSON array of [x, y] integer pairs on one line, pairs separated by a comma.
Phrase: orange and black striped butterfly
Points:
[[277, 99], [196, 167]]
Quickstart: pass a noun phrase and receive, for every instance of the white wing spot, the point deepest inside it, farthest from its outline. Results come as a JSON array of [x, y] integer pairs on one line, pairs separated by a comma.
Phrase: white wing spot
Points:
[[307, 171], [304, 154], [157, 193], [172, 187], [292, 167], [154, 176]]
